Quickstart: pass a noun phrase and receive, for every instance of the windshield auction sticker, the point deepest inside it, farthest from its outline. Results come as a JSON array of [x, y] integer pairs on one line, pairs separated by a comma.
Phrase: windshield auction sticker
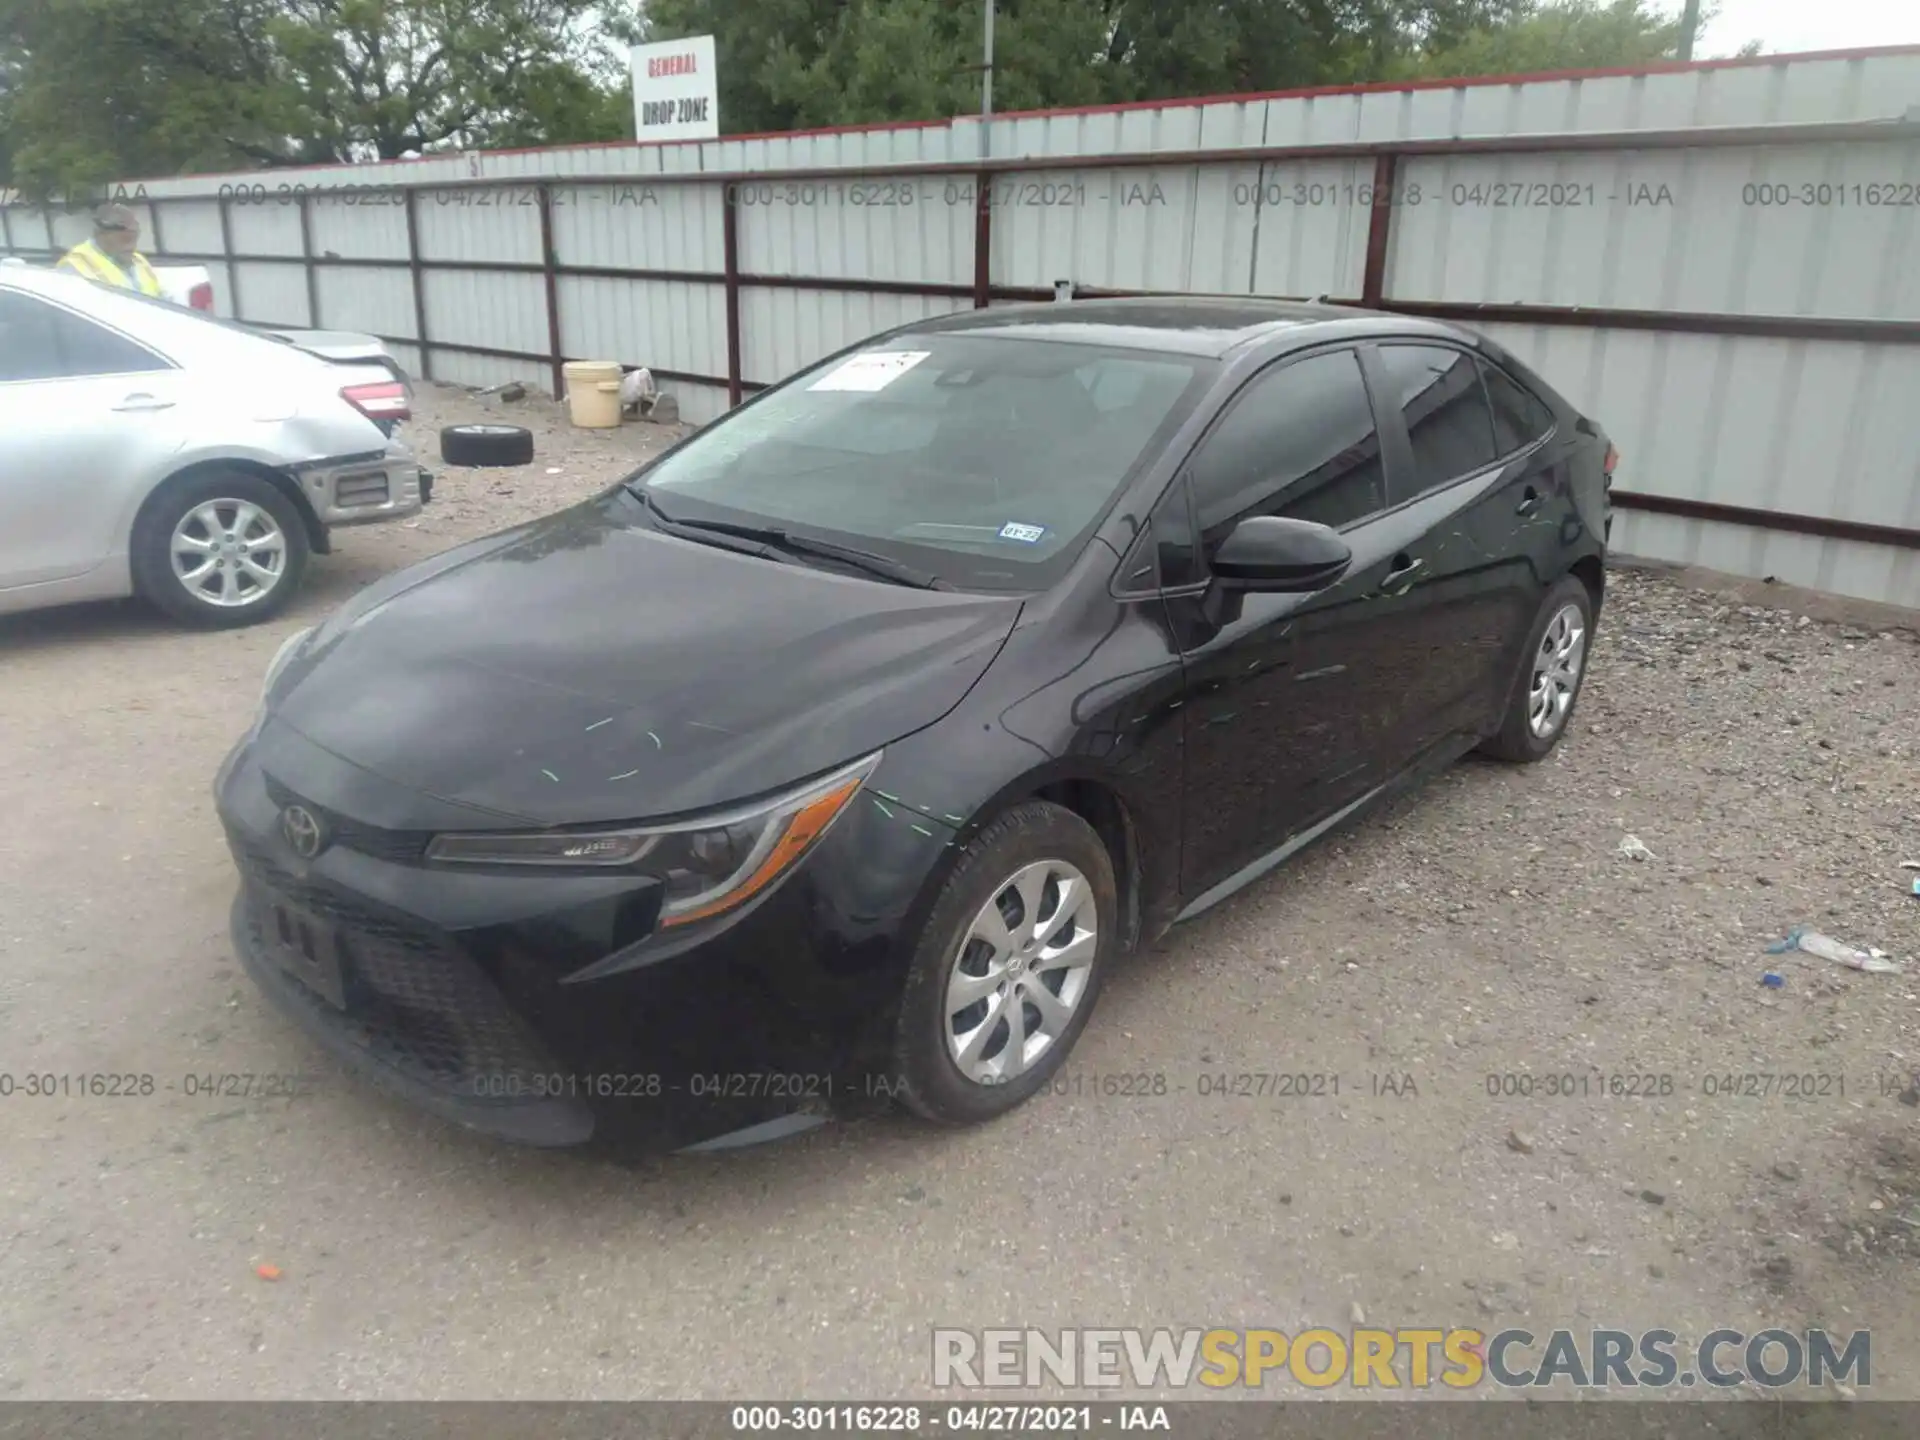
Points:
[[874, 370]]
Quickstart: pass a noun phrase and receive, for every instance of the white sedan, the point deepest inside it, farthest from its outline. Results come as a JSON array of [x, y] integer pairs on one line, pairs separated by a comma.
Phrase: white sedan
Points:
[[148, 449]]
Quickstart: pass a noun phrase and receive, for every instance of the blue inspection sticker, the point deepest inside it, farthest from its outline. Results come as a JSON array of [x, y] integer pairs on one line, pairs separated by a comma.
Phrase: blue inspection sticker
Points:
[[1025, 534]]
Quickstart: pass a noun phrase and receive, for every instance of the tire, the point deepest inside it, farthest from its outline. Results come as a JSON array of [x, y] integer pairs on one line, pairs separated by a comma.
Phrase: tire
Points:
[[1531, 726], [233, 518], [486, 446], [1033, 839]]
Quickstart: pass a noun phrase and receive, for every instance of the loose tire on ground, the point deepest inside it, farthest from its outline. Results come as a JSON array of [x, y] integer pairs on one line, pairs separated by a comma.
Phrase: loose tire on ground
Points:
[[931, 1082], [219, 549], [486, 446], [1519, 739]]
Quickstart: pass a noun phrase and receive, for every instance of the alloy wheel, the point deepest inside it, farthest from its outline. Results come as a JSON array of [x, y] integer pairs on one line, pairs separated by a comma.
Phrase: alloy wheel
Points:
[[1556, 671], [1021, 972], [228, 553]]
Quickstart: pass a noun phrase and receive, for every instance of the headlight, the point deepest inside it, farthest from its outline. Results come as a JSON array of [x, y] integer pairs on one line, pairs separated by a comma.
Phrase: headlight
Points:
[[709, 865], [280, 658]]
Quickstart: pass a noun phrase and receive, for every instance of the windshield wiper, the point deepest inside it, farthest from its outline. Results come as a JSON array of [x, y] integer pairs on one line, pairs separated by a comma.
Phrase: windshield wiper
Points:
[[779, 540], [687, 530]]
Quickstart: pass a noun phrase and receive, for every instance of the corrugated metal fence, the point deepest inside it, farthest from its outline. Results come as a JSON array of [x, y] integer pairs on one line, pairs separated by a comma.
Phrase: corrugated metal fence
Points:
[[1718, 261]]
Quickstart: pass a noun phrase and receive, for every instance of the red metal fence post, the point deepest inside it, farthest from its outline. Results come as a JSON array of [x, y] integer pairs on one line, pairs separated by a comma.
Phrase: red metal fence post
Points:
[[983, 241], [550, 274], [419, 282], [730, 248], [306, 256], [226, 249], [1373, 282]]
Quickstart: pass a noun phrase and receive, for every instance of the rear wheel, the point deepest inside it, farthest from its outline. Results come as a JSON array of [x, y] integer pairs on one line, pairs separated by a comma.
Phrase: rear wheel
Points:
[[1009, 966], [219, 549], [1552, 669]]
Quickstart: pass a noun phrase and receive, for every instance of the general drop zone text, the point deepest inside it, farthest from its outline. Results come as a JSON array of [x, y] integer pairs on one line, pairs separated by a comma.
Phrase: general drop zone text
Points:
[[690, 110]]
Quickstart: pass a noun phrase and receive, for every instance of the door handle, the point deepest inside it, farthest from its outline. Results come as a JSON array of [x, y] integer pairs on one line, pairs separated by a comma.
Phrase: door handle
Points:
[[1529, 501], [143, 401], [1400, 578]]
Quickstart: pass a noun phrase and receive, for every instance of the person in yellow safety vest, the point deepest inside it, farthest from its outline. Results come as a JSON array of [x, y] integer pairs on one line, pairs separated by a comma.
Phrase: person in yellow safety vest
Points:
[[111, 256]]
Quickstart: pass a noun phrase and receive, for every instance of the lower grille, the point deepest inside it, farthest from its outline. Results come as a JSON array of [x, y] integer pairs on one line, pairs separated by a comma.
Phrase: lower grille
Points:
[[414, 1002], [367, 488]]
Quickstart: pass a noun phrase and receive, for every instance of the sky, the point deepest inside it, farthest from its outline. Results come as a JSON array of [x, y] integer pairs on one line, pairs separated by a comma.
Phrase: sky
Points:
[[1791, 25]]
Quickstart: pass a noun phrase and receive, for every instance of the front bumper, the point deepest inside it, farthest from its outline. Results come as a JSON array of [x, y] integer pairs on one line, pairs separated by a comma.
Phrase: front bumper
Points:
[[540, 1008], [365, 489]]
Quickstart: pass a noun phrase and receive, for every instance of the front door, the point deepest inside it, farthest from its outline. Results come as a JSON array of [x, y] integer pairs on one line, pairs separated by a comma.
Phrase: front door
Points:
[[1284, 690]]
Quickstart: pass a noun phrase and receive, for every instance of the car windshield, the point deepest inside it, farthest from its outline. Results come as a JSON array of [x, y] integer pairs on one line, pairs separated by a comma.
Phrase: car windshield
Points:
[[984, 461]]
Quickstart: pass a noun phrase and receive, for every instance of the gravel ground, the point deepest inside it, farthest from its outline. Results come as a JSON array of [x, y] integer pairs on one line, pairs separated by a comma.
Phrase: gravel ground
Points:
[[1762, 746]]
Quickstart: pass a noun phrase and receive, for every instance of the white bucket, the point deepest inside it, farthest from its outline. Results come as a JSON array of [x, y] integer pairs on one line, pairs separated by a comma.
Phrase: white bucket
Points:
[[593, 393]]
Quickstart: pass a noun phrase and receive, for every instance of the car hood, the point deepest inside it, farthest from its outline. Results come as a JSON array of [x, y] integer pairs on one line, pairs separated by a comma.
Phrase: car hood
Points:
[[588, 668]]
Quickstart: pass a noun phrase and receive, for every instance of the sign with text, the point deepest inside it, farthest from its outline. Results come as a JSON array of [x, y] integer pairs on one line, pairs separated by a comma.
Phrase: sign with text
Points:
[[676, 92]]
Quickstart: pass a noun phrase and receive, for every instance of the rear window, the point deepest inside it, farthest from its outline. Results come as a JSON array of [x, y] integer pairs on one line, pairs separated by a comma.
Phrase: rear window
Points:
[[981, 459], [1439, 396], [1519, 416]]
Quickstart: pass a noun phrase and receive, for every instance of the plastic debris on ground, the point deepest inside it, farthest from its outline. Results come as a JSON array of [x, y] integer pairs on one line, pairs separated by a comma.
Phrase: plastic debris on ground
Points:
[[1773, 981], [1633, 849], [637, 390], [1812, 942]]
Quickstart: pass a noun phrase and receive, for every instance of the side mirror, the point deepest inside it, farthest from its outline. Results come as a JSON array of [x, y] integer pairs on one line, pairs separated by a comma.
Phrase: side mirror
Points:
[[1269, 552]]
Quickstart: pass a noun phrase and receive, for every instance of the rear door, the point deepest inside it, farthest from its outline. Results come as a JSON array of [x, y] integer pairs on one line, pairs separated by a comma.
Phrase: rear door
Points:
[[1470, 587], [84, 416]]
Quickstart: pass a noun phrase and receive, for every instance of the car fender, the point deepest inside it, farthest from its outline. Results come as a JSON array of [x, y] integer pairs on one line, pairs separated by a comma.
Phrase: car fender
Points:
[[1111, 721], [277, 461]]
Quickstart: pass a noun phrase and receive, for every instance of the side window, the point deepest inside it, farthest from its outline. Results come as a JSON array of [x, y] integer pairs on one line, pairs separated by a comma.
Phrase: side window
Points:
[[1165, 557], [26, 338], [1519, 417], [1445, 409], [1299, 441], [1173, 539], [39, 341]]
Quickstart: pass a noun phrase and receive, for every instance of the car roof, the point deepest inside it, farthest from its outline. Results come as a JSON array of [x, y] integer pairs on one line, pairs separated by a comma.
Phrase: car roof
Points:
[[1209, 326], [62, 285], [24, 276]]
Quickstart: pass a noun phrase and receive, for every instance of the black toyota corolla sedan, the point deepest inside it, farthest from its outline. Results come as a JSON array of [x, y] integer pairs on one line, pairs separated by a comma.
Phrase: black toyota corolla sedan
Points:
[[841, 750]]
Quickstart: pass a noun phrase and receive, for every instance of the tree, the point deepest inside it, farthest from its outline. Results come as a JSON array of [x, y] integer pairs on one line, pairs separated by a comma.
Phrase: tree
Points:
[[1561, 35], [111, 88], [787, 64], [8, 81], [99, 90]]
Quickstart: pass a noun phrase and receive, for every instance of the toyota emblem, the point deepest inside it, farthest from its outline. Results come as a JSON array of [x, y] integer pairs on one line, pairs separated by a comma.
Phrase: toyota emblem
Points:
[[303, 831]]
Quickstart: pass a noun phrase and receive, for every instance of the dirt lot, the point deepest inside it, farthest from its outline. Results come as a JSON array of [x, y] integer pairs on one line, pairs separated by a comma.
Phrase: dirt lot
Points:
[[1486, 927]]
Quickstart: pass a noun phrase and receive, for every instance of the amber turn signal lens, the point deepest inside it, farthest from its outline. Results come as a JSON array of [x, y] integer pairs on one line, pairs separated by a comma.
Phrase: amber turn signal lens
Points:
[[806, 826]]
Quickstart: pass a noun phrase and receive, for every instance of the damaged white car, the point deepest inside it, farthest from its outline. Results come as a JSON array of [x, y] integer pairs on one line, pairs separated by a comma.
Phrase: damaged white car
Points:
[[149, 449]]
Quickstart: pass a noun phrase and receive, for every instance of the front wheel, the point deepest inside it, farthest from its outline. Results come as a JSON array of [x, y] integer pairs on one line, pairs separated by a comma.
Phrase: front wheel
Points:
[[219, 549], [1552, 669], [1009, 966]]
